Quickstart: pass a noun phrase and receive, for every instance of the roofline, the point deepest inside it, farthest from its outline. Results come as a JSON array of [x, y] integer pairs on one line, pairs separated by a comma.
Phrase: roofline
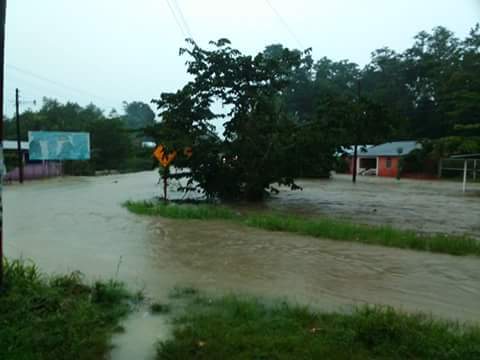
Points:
[[465, 156]]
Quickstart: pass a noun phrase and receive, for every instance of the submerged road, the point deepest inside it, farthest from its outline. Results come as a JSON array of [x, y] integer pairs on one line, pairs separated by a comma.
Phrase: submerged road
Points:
[[78, 224]]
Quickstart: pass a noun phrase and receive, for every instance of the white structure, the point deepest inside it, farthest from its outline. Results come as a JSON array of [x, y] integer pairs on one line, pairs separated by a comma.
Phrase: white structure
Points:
[[475, 158], [12, 145]]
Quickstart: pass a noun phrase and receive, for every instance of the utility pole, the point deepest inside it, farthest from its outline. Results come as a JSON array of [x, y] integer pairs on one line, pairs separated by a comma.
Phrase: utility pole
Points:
[[3, 14], [355, 160], [19, 141], [355, 146]]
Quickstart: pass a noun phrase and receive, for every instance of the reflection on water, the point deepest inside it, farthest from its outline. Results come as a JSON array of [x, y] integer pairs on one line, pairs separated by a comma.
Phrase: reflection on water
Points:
[[78, 223]]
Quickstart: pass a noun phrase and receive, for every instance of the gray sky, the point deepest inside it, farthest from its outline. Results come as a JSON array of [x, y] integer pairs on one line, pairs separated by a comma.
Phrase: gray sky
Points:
[[109, 51]]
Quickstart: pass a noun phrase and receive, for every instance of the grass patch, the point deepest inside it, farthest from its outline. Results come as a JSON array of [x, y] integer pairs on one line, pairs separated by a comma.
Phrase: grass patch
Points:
[[57, 317], [321, 228], [234, 328], [180, 211], [159, 308], [374, 235]]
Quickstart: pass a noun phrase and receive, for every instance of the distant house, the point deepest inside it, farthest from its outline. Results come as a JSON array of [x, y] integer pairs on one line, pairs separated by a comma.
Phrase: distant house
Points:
[[31, 169], [383, 160], [11, 145]]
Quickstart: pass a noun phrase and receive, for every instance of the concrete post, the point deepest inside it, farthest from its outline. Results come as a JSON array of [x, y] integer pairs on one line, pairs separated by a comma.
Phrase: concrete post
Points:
[[440, 168], [465, 175]]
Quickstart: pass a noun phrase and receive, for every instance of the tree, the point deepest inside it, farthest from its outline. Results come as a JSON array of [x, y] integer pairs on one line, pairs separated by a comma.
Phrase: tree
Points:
[[262, 130], [138, 115], [111, 143]]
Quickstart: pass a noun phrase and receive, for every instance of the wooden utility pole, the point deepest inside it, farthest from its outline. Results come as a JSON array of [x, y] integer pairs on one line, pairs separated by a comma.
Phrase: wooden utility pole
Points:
[[355, 160], [355, 146], [165, 184], [19, 140], [3, 14]]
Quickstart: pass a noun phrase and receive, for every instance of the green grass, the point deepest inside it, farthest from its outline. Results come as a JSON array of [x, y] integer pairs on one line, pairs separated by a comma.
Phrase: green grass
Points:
[[321, 228], [159, 308], [373, 235], [183, 211], [235, 328], [57, 317]]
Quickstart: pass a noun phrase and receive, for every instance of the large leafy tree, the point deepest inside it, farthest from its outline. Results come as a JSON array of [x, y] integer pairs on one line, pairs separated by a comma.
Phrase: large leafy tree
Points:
[[265, 141], [138, 115]]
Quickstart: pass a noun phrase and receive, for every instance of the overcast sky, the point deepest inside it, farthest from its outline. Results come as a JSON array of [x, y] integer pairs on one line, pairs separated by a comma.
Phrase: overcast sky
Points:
[[110, 51]]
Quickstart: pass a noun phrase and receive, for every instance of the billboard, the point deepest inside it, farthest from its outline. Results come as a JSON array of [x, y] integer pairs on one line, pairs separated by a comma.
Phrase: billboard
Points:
[[51, 145]]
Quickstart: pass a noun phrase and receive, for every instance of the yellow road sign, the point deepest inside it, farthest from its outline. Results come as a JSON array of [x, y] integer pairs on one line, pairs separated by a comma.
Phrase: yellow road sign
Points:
[[164, 158]]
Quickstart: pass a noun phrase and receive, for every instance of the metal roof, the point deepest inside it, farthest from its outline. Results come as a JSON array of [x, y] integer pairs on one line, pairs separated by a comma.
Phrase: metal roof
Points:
[[396, 148], [12, 145], [466, 156], [349, 150]]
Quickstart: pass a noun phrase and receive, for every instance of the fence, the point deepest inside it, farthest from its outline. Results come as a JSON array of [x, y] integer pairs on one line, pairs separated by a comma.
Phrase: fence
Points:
[[456, 167], [453, 165], [36, 171]]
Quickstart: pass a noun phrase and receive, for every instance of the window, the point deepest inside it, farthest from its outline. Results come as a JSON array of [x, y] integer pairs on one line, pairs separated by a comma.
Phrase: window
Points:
[[389, 163]]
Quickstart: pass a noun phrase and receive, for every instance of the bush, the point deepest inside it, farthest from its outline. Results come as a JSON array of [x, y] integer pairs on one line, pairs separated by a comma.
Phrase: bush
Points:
[[57, 317]]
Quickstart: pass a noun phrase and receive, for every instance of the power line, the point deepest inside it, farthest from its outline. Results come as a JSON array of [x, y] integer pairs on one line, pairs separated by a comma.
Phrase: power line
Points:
[[179, 24], [182, 18], [54, 82], [35, 88], [285, 24], [39, 90]]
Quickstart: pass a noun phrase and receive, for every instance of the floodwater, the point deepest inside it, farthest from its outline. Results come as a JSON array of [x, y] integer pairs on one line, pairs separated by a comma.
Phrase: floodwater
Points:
[[424, 206], [78, 224]]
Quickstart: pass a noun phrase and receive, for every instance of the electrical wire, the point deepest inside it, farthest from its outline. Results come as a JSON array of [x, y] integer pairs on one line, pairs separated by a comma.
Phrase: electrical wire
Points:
[[285, 23], [179, 24], [57, 83], [54, 82], [182, 18]]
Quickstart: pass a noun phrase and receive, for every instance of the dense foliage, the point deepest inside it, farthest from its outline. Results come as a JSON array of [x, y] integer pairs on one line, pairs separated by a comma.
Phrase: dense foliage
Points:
[[263, 143], [285, 114]]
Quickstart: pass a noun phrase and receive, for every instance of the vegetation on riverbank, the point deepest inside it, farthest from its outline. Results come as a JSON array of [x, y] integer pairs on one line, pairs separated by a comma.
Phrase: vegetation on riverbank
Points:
[[236, 328], [57, 317], [320, 227]]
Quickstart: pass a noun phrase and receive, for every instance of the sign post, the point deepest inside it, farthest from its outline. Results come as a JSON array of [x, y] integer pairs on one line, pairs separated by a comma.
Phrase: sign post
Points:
[[165, 160]]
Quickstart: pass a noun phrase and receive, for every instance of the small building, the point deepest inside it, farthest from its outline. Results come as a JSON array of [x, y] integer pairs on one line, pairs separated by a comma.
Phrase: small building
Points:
[[11, 145], [31, 169], [384, 159]]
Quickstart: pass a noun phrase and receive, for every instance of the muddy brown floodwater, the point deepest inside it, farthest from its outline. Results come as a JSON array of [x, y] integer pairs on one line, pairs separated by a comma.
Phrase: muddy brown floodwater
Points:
[[79, 224], [426, 206]]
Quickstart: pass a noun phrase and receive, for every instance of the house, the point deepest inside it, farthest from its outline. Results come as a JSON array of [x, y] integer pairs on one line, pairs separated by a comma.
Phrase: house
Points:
[[384, 159]]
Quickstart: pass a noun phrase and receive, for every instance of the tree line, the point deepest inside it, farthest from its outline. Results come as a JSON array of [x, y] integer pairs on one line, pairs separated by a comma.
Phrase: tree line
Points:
[[286, 115], [115, 139]]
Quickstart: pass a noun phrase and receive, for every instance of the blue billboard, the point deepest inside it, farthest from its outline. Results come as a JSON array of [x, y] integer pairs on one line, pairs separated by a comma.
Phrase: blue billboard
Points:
[[56, 145]]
